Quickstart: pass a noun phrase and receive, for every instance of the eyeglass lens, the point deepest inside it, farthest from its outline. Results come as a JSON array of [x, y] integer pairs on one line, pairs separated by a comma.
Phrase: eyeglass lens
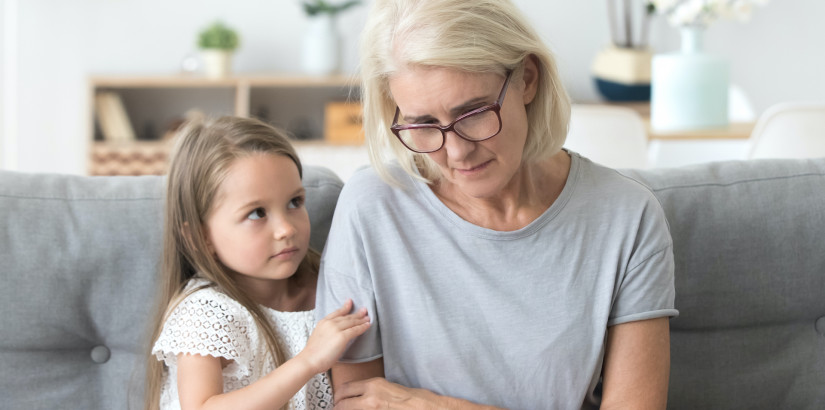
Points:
[[475, 127]]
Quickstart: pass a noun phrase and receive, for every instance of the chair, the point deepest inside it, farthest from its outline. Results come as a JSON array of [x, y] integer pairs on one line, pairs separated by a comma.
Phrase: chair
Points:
[[612, 136], [740, 108], [790, 130]]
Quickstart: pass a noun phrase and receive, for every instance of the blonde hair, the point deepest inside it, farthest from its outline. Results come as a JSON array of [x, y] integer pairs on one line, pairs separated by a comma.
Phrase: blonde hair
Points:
[[478, 36], [203, 153]]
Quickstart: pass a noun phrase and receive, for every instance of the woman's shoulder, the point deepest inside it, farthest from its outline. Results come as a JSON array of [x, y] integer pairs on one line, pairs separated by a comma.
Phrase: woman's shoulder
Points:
[[609, 181], [368, 184], [369, 177]]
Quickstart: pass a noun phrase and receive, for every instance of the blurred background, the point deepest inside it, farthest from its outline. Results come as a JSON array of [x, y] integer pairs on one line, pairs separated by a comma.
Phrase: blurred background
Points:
[[51, 48]]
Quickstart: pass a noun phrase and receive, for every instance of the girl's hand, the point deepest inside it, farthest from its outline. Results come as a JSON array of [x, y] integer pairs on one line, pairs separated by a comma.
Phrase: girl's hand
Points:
[[331, 335]]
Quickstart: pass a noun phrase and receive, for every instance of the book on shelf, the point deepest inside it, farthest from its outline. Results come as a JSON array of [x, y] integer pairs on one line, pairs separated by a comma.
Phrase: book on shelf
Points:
[[112, 117]]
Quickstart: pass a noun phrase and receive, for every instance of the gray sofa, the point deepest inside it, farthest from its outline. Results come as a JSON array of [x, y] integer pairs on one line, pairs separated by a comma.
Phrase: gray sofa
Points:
[[78, 261]]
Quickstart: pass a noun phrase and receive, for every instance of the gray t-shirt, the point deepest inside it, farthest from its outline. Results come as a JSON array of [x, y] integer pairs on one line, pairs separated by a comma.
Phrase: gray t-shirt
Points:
[[515, 319]]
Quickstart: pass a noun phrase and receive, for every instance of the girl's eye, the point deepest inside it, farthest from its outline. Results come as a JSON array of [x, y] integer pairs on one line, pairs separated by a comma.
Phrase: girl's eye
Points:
[[258, 213], [296, 202]]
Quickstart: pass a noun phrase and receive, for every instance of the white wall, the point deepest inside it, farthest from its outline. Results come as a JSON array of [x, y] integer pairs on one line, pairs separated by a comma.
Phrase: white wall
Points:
[[778, 56], [8, 150]]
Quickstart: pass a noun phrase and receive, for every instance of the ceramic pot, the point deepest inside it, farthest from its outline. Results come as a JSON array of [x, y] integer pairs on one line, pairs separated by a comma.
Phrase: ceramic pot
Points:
[[689, 88], [217, 63], [320, 54], [623, 74]]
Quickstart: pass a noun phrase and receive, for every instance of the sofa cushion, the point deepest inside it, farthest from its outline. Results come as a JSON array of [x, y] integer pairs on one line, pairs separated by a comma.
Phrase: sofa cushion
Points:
[[749, 247], [79, 259]]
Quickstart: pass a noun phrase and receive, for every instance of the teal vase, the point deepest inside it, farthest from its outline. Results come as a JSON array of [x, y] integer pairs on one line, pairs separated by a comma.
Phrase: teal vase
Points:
[[689, 88]]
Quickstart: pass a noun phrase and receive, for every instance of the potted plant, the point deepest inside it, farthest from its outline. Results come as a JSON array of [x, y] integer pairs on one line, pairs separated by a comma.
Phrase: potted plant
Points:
[[217, 43], [321, 55]]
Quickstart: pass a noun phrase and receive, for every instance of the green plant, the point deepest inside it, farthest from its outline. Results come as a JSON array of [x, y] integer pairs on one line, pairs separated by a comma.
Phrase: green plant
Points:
[[316, 7], [218, 36]]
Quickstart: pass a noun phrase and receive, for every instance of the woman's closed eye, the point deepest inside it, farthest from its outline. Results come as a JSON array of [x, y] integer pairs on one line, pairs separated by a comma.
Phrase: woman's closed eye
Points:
[[256, 213]]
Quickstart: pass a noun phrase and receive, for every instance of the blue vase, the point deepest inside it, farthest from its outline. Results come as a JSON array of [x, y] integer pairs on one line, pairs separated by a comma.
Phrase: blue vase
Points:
[[689, 88]]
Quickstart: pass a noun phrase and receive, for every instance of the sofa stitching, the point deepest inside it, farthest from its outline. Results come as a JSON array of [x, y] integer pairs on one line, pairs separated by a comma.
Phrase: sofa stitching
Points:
[[317, 184], [58, 198], [719, 184]]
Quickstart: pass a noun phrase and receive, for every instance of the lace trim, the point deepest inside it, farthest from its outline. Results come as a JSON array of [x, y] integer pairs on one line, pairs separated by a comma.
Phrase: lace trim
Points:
[[209, 323]]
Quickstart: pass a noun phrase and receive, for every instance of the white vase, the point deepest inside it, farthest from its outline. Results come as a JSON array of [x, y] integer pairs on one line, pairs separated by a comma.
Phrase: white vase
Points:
[[216, 63], [320, 54], [689, 88]]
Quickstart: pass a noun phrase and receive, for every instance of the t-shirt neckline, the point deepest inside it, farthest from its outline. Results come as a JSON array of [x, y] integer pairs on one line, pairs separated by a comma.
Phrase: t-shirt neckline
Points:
[[470, 228]]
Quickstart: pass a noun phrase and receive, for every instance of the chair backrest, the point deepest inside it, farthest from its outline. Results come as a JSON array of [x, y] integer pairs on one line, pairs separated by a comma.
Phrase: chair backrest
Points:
[[740, 108], [612, 136], [790, 130]]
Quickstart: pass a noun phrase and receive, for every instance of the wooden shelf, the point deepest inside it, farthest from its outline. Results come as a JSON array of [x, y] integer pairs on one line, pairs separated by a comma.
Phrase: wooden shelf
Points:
[[153, 103], [185, 81], [734, 131]]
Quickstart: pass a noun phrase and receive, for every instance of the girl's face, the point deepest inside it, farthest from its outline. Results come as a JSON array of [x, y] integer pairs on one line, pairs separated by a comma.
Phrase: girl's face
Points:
[[258, 226], [439, 95]]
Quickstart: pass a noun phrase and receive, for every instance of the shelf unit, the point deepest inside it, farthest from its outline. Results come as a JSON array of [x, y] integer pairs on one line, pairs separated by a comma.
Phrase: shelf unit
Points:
[[156, 104]]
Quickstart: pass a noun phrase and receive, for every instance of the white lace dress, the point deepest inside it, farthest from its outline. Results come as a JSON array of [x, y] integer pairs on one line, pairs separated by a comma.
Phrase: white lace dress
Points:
[[208, 322]]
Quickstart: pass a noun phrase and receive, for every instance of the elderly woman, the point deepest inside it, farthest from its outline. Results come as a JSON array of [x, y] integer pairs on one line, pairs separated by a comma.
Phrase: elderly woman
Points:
[[498, 268]]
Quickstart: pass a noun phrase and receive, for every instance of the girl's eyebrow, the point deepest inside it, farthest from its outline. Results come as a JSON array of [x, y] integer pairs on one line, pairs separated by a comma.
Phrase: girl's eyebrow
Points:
[[455, 111], [258, 202]]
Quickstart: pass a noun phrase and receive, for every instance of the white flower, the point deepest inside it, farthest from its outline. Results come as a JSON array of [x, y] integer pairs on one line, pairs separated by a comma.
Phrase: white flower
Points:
[[704, 12]]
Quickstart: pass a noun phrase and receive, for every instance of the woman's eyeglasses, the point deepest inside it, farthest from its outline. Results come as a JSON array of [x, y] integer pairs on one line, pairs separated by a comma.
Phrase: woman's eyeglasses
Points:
[[477, 125]]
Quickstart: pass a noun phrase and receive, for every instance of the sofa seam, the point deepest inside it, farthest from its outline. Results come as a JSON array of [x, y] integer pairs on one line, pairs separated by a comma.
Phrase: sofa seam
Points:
[[78, 198], [320, 184], [719, 184]]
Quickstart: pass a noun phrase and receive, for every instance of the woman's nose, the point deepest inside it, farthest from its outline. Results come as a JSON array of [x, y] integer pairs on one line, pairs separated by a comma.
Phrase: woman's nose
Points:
[[457, 148]]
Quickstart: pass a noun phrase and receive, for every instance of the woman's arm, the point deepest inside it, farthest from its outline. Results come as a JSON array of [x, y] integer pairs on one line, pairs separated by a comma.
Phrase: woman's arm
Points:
[[343, 373], [637, 365], [362, 386]]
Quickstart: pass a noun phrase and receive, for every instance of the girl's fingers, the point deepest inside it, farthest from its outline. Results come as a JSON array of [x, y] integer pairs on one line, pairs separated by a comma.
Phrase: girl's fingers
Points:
[[356, 330], [344, 322], [341, 311]]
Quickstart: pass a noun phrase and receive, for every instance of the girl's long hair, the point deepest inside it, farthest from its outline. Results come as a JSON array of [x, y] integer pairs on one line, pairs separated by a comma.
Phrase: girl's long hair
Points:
[[203, 153]]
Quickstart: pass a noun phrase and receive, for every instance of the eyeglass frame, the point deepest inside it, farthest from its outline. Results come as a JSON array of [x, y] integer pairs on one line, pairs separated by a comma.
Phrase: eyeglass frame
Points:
[[495, 107]]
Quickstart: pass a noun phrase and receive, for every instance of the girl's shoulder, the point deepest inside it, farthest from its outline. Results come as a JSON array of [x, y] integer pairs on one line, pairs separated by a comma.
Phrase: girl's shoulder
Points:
[[207, 322], [203, 298]]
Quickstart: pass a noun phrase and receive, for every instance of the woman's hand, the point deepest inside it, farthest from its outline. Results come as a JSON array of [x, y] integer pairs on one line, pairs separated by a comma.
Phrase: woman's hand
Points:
[[331, 335], [378, 393]]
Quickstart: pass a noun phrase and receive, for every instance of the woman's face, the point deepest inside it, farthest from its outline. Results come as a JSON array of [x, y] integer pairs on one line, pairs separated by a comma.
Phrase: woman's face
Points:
[[439, 95]]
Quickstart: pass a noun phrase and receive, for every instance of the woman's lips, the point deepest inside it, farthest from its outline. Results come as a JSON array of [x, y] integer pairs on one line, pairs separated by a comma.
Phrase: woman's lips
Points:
[[474, 170]]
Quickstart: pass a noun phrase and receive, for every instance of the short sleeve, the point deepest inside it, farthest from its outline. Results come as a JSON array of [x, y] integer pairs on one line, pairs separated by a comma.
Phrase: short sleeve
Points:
[[646, 290], [208, 323], [334, 288], [345, 274]]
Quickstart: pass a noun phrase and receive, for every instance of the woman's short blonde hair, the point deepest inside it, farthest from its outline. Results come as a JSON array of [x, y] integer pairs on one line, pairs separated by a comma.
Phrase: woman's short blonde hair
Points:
[[478, 36]]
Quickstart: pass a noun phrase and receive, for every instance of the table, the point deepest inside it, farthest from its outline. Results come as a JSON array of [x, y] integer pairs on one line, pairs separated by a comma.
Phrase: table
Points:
[[677, 148]]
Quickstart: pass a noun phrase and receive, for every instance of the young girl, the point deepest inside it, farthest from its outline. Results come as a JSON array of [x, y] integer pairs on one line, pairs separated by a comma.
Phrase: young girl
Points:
[[233, 330]]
